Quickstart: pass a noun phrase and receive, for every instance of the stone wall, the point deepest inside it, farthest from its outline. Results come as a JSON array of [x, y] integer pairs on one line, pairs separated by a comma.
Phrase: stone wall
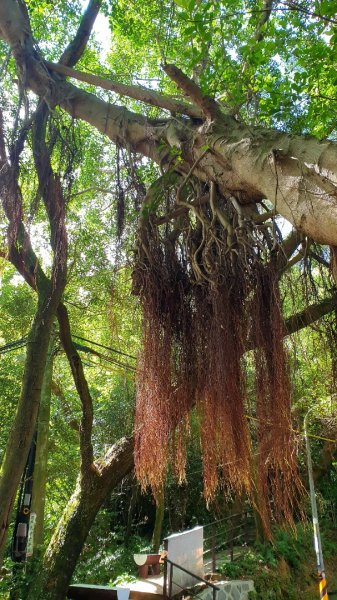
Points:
[[230, 590]]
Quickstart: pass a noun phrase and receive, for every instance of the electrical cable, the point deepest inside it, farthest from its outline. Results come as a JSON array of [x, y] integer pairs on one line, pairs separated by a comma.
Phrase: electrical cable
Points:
[[121, 371], [12, 348], [13, 345], [78, 337], [23, 341], [104, 357]]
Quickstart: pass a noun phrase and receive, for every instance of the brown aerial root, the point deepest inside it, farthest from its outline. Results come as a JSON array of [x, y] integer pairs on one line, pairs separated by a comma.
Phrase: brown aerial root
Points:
[[219, 326], [206, 287], [165, 381], [179, 443], [278, 481], [152, 418]]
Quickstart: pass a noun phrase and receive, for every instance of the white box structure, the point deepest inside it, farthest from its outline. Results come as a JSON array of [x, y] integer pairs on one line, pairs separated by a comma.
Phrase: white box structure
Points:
[[186, 550]]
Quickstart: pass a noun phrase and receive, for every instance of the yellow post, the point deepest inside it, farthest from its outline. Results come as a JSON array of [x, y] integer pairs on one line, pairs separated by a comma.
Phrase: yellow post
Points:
[[323, 594]]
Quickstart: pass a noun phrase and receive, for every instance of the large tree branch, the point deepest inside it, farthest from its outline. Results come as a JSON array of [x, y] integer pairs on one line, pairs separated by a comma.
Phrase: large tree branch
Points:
[[122, 126], [136, 92], [310, 315], [50, 189], [20, 250], [265, 16], [75, 49], [208, 106], [304, 318], [106, 465], [296, 173], [288, 247]]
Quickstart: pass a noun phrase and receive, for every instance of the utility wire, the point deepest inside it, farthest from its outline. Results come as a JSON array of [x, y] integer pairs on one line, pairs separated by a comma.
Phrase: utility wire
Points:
[[104, 357], [22, 341], [78, 337], [13, 345], [13, 348], [90, 363], [124, 366]]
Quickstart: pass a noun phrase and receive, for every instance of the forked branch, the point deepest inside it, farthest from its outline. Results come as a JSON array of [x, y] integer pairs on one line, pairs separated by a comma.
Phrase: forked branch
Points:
[[75, 49], [136, 92], [209, 106]]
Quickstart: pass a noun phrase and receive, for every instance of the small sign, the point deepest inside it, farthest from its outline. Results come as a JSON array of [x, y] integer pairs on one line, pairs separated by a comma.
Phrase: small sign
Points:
[[30, 540]]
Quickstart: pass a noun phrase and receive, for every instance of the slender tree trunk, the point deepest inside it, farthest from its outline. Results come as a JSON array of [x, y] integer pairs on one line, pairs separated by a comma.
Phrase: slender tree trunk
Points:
[[41, 455], [158, 524], [67, 542], [132, 505], [24, 424]]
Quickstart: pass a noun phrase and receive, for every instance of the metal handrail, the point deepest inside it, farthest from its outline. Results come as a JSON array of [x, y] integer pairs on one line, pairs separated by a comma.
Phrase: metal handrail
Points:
[[225, 543], [229, 530], [215, 588], [243, 512], [223, 533]]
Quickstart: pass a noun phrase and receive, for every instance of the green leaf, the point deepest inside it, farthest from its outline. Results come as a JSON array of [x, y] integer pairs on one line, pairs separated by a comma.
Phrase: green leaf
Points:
[[182, 3]]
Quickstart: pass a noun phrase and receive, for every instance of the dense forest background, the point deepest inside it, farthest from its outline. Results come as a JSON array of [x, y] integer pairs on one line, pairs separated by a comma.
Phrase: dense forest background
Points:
[[167, 281]]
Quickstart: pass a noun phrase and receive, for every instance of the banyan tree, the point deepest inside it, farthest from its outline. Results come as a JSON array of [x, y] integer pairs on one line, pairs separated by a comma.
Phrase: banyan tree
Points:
[[209, 252], [207, 273]]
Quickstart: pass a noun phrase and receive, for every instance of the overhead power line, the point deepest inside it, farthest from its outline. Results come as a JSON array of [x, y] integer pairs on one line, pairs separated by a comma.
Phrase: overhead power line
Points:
[[16, 344], [108, 359], [22, 341], [78, 337], [13, 345]]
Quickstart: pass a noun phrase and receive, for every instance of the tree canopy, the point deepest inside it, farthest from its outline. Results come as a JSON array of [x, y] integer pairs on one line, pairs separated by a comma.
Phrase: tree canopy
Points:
[[183, 152]]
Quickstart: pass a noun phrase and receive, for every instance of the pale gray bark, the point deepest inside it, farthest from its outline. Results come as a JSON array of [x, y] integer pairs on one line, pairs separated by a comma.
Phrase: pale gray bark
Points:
[[297, 174]]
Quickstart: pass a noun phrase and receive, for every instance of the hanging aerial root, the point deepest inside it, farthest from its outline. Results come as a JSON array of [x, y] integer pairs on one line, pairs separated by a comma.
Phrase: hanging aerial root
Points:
[[206, 287], [152, 417], [278, 477], [219, 323], [165, 381]]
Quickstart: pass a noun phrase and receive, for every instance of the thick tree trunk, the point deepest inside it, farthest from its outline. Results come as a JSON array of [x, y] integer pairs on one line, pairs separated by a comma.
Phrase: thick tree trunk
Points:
[[158, 524], [67, 542]]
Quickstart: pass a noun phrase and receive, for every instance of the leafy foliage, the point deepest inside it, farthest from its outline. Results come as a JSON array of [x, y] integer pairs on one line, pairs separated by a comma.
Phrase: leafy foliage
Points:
[[274, 69]]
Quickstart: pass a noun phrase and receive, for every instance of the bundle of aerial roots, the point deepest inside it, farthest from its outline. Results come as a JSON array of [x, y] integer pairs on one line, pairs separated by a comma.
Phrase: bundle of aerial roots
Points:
[[205, 305]]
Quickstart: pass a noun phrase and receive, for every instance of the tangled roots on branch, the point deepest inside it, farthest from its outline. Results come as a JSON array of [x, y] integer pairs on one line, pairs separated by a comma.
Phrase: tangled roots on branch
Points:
[[206, 290]]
